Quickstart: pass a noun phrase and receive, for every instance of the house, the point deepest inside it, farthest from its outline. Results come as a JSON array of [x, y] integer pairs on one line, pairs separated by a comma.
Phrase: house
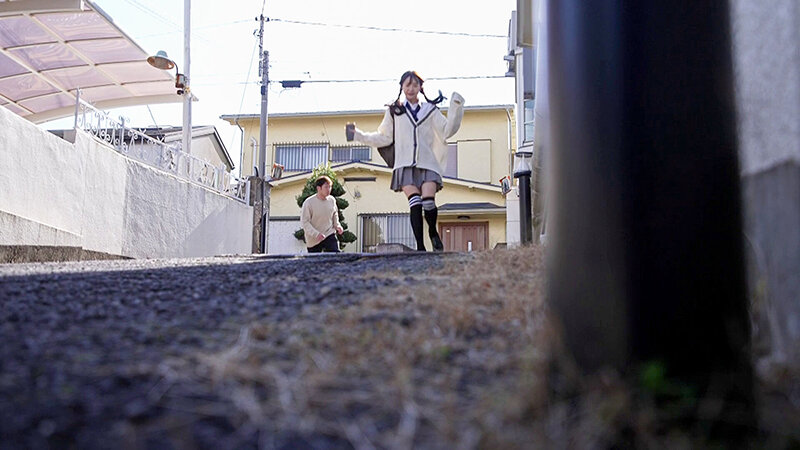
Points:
[[472, 207], [527, 63], [206, 144]]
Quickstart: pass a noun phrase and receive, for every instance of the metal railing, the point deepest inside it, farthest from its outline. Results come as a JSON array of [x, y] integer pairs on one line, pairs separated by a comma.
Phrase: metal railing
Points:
[[168, 157]]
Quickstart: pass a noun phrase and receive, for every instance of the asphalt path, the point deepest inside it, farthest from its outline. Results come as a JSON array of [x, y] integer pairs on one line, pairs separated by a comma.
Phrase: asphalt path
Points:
[[79, 341]]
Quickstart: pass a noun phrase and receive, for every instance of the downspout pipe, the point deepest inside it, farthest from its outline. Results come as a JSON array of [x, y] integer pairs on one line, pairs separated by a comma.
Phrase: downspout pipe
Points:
[[510, 150], [241, 146]]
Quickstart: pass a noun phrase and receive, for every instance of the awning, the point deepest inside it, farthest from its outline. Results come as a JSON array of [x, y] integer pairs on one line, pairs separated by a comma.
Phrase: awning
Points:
[[471, 208], [51, 48]]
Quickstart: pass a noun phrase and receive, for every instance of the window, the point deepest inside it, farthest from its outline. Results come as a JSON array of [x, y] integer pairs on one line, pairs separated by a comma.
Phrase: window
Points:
[[527, 121], [451, 168], [348, 153], [385, 228], [296, 157]]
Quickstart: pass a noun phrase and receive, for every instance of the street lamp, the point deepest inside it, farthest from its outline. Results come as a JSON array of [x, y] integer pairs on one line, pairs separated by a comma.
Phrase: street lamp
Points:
[[161, 61]]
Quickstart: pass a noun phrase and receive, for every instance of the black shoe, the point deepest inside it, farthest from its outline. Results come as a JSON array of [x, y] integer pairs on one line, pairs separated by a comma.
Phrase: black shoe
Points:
[[438, 246]]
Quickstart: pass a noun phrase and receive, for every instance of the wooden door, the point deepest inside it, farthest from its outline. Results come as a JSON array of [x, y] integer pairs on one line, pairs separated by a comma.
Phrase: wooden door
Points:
[[464, 236]]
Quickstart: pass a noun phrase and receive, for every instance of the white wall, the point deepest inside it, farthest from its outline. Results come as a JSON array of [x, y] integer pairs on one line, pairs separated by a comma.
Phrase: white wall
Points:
[[767, 68], [513, 238], [281, 239], [767, 74], [53, 192]]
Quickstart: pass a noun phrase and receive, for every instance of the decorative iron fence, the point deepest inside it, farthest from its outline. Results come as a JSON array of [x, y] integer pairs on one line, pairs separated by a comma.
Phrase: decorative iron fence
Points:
[[168, 157]]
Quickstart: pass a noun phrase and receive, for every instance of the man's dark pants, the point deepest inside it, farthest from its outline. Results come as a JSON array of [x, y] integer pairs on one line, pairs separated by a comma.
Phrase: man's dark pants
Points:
[[329, 244]]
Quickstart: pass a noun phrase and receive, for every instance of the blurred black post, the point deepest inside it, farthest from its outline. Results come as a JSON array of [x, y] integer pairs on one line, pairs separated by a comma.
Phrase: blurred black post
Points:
[[645, 241], [522, 172]]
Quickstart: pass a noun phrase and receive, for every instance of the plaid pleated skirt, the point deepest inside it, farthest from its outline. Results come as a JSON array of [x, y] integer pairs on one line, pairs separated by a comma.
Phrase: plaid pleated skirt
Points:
[[404, 176]]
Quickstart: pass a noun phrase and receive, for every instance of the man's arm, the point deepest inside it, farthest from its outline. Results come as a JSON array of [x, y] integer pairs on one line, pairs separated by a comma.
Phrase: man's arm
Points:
[[336, 225]]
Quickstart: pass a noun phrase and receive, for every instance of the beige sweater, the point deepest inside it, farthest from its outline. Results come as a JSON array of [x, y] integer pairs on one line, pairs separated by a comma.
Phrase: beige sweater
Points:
[[319, 217]]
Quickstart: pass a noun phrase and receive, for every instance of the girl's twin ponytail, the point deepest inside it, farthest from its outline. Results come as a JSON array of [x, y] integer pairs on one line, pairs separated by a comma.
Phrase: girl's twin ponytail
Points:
[[435, 101]]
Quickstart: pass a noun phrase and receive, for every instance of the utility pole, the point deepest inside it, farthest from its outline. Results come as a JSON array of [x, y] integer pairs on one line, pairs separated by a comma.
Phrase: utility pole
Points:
[[263, 71]]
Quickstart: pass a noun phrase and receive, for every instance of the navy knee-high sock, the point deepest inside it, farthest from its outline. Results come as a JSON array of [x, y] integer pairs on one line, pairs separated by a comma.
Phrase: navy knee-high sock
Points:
[[431, 214], [415, 203]]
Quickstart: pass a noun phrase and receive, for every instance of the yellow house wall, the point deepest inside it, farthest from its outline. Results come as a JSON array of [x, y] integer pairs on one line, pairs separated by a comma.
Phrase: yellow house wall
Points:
[[493, 125], [477, 126], [474, 160], [375, 197]]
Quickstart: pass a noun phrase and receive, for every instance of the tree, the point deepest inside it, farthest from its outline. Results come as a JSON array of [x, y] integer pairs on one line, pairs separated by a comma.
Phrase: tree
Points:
[[336, 191]]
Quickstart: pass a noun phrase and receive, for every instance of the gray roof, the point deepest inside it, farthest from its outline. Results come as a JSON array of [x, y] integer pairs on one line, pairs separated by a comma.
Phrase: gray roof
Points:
[[469, 206]]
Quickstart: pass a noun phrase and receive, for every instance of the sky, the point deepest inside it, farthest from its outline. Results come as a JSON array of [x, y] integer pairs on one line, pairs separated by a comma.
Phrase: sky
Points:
[[320, 42]]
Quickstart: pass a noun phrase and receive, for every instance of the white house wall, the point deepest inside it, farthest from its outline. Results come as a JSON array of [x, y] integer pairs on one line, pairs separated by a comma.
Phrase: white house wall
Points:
[[53, 192]]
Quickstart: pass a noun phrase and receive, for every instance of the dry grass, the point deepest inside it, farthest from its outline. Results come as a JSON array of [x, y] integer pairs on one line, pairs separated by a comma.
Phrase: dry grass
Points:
[[461, 358]]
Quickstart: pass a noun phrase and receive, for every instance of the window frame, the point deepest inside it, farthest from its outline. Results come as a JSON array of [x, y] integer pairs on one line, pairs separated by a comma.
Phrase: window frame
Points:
[[302, 147], [526, 122], [351, 149], [406, 238]]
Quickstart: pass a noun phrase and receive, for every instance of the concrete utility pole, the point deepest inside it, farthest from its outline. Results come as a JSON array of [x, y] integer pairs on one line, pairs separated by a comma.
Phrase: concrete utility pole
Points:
[[262, 221], [263, 71], [186, 136], [646, 252]]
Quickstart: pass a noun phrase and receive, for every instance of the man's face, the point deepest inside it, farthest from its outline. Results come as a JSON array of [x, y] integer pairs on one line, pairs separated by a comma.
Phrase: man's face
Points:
[[324, 190]]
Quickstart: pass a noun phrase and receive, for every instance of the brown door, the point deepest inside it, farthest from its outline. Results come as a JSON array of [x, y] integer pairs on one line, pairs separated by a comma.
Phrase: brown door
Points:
[[462, 237]]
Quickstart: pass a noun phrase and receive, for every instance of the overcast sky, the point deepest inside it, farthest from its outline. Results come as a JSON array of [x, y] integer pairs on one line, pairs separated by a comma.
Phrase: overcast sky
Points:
[[318, 41]]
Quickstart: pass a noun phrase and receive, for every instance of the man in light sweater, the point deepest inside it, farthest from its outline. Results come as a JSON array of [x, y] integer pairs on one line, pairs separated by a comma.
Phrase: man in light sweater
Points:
[[320, 219]]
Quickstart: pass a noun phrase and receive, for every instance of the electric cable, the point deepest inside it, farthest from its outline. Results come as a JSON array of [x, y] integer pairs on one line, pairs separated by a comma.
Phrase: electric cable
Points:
[[383, 80], [155, 124], [244, 91], [373, 28]]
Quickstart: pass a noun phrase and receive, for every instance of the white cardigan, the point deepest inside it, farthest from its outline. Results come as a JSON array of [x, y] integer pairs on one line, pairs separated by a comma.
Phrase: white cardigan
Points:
[[418, 143]]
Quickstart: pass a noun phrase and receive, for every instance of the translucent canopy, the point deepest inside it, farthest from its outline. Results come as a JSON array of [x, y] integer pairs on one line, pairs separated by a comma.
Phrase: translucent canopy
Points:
[[50, 49]]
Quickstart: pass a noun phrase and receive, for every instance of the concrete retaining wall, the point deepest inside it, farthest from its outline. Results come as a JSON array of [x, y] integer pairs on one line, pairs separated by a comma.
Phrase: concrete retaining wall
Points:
[[56, 193]]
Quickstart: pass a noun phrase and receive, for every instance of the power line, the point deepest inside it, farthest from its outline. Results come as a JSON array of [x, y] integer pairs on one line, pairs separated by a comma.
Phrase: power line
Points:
[[155, 124], [244, 92], [194, 29], [301, 22], [154, 14], [397, 30], [296, 83], [474, 77], [178, 29]]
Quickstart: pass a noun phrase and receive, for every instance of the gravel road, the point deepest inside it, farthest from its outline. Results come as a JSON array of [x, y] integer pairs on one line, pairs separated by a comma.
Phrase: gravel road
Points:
[[81, 342]]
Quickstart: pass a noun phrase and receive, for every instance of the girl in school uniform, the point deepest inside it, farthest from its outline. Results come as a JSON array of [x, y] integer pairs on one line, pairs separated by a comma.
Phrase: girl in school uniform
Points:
[[419, 131]]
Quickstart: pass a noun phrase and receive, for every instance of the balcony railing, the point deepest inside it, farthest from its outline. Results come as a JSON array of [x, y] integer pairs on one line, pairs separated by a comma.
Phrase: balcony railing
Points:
[[168, 157]]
